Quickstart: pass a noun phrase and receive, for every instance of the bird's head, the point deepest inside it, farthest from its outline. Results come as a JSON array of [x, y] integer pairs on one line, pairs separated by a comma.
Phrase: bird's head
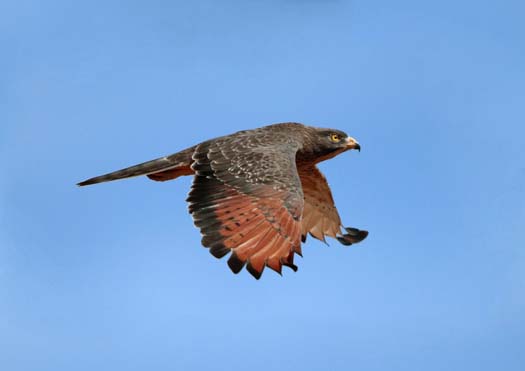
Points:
[[337, 140], [327, 143]]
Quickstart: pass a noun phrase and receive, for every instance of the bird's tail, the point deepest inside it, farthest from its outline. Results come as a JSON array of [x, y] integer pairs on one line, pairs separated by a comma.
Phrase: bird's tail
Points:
[[160, 169]]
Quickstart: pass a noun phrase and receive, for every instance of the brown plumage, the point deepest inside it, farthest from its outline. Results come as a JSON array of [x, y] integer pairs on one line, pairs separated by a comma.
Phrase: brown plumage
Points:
[[257, 193]]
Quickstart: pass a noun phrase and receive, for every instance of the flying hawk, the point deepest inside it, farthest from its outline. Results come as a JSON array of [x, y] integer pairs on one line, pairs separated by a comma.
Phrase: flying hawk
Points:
[[257, 193]]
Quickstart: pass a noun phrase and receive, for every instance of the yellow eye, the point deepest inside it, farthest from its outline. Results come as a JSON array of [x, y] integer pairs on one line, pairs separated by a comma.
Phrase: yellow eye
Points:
[[336, 138]]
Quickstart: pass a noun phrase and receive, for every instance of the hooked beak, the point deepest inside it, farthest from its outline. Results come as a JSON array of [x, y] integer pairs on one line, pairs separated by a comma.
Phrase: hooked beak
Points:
[[351, 143]]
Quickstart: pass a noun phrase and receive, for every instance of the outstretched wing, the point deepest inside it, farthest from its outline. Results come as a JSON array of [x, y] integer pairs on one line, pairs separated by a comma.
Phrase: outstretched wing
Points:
[[320, 216], [247, 198]]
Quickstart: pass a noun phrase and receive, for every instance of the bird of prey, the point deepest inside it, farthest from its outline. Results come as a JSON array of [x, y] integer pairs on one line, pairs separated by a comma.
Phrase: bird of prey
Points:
[[257, 193]]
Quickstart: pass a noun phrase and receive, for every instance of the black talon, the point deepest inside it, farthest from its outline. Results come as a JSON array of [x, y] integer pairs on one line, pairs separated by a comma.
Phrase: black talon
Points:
[[354, 235], [352, 231], [344, 241]]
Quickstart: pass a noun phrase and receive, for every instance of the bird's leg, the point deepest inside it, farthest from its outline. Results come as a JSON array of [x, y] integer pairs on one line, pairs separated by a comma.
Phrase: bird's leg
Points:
[[352, 236]]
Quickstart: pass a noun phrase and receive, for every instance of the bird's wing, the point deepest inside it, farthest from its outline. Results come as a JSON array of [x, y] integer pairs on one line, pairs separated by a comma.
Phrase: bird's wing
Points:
[[246, 198], [320, 216]]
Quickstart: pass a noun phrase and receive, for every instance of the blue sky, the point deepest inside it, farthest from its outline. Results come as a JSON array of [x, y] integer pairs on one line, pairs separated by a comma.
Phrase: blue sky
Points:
[[113, 276]]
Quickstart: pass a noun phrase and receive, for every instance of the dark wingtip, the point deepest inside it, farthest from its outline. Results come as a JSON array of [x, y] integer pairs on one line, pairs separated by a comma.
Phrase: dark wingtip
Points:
[[291, 266], [219, 250], [276, 270], [289, 263], [235, 263], [255, 273]]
